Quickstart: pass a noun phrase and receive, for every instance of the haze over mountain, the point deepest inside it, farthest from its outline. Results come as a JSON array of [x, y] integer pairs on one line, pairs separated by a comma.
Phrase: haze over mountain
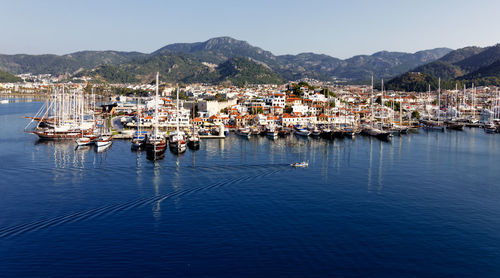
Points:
[[203, 61]]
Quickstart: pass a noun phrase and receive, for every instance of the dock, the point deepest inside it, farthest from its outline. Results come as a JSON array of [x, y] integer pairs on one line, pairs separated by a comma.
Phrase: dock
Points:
[[123, 136], [212, 136]]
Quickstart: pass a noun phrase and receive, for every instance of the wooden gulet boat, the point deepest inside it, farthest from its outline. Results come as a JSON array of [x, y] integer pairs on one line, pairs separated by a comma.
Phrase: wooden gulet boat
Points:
[[156, 143]]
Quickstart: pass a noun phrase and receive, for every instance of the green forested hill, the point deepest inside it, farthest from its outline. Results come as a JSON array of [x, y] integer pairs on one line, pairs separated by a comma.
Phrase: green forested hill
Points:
[[7, 77], [183, 68], [468, 65]]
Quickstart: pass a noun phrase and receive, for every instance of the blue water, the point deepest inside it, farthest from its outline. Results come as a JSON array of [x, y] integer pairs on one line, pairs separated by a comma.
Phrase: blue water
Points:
[[423, 205]]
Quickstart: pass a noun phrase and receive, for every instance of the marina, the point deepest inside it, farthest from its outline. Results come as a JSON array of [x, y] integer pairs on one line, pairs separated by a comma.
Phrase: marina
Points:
[[157, 119]]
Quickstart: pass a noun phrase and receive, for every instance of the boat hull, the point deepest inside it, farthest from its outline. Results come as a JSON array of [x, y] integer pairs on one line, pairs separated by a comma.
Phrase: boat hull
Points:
[[459, 127], [177, 147], [244, 134], [138, 144], [103, 143], [84, 142], [48, 135], [194, 144], [272, 135], [434, 128], [156, 147]]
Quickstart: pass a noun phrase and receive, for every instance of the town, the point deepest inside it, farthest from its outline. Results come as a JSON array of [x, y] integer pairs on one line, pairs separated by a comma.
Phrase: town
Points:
[[307, 103]]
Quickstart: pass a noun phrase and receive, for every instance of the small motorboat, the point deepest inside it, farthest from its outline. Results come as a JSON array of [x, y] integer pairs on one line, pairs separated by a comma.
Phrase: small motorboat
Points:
[[300, 164], [84, 141], [104, 140], [490, 129], [193, 142], [244, 131], [139, 140]]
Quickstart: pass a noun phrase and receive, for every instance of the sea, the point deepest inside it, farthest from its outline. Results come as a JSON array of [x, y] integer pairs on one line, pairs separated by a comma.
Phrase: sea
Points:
[[425, 204]]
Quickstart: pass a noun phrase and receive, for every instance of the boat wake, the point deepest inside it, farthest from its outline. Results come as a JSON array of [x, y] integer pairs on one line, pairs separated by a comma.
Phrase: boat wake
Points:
[[112, 209]]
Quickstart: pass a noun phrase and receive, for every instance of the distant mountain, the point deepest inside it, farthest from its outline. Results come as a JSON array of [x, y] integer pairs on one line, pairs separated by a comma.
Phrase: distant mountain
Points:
[[90, 59], [482, 59], [466, 65], [184, 68], [308, 65], [460, 54], [65, 64], [172, 68], [7, 77], [218, 50], [53, 64], [241, 71], [488, 75], [197, 62], [386, 64], [412, 81], [110, 73]]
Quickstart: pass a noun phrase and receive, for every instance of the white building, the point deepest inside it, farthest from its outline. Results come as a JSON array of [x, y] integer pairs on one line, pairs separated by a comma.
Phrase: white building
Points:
[[276, 99], [302, 109]]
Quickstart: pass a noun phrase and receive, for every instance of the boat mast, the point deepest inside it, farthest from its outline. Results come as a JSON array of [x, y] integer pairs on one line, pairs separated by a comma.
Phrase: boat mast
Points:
[[63, 106], [371, 104], [81, 109], [496, 105], [138, 118], [54, 109], [177, 118], [439, 99], [392, 111], [463, 98], [192, 121], [427, 100], [382, 104], [400, 111], [456, 97], [473, 101], [156, 106]]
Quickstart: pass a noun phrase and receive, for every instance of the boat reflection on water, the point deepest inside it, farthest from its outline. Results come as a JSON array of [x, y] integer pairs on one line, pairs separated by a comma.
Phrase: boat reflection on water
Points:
[[152, 155], [156, 183], [101, 149], [65, 152]]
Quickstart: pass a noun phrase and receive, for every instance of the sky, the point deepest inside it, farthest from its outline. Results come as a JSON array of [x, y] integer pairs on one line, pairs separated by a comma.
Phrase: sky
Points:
[[338, 28]]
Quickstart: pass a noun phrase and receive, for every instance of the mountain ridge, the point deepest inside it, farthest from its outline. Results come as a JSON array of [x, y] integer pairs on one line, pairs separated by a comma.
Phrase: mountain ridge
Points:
[[478, 65], [216, 51]]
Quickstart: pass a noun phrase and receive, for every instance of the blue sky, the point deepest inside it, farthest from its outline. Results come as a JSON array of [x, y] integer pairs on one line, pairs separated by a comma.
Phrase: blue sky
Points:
[[338, 28]]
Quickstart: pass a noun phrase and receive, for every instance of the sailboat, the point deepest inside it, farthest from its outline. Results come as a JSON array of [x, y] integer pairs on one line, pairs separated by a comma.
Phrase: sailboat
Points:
[[60, 119], [85, 139], [105, 137], [370, 129], [431, 125], [193, 141], [156, 144], [177, 140], [139, 139], [301, 131], [272, 132], [244, 131]]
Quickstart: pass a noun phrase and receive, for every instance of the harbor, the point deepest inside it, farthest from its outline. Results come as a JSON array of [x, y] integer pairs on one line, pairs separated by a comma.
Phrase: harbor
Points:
[[344, 112]]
